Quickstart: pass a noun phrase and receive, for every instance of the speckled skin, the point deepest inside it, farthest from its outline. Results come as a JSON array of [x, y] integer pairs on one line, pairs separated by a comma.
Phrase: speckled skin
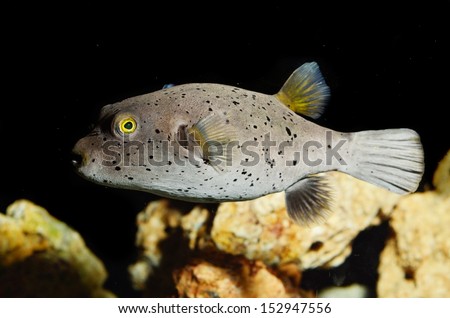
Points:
[[245, 115]]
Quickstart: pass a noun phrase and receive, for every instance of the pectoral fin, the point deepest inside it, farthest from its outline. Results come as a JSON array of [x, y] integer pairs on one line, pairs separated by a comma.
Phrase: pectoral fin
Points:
[[213, 135], [308, 200]]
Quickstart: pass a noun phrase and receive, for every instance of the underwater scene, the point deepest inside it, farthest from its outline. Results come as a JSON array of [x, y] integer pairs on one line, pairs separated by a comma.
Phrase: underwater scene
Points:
[[263, 153]]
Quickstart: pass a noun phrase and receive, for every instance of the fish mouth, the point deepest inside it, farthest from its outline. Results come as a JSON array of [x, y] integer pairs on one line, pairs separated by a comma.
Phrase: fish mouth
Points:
[[78, 159]]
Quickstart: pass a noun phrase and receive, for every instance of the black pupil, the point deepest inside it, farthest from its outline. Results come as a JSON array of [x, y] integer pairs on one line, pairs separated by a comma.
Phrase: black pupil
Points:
[[128, 125]]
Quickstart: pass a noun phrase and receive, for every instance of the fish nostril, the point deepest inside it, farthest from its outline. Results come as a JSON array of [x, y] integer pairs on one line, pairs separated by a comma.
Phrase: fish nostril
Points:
[[77, 160]]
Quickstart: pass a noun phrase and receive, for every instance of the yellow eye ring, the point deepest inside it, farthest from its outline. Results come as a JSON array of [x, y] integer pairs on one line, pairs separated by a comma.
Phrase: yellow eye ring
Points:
[[127, 125]]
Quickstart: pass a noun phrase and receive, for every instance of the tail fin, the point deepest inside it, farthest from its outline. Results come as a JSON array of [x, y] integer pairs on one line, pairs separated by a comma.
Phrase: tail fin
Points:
[[391, 158]]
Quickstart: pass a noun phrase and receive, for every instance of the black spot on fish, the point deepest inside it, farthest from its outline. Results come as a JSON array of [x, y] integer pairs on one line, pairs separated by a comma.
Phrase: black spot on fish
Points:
[[268, 118], [288, 131], [234, 180], [210, 109], [235, 103], [254, 126], [117, 168], [148, 169], [157, 131], [130, 178]]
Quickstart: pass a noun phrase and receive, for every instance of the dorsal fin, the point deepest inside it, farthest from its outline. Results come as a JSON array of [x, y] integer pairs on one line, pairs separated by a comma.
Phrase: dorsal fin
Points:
[[305, 91]]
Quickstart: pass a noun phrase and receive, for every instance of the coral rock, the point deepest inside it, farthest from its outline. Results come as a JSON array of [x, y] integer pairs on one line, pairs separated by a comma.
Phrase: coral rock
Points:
[[43, 257], [261, 230], [351, 291], [230, 276], [154, 225], [441, 178], [416, 260]]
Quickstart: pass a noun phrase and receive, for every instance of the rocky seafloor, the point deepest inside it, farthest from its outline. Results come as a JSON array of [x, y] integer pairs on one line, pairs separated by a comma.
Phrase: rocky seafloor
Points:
[[244, 249]]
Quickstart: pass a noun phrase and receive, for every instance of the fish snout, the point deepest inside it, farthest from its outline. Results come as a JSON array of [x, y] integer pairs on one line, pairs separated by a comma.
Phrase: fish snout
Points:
[[79, 157]]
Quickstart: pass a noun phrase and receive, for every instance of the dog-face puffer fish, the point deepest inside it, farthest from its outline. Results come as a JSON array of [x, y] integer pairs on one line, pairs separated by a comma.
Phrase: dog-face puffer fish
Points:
[[213, 143]]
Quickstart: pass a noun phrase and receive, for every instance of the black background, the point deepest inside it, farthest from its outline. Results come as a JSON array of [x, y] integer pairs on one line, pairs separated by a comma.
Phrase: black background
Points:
[[388, 67]]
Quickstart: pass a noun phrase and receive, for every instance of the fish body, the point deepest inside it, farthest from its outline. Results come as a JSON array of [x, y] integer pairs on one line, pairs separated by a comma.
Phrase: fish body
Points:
[[212, 143]]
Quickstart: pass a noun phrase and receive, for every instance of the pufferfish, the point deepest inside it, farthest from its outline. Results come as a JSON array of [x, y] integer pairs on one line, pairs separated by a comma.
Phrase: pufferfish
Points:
[[214, 143]]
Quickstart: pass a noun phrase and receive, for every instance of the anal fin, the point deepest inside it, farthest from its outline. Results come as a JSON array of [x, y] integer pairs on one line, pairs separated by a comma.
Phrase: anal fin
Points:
[[308, 200]]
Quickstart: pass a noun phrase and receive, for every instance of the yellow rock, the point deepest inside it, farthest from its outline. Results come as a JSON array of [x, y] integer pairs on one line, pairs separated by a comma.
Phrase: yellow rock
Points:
[[441, 178], [154, 225], [232, 276], [193, 225], [43, 257], [416, 259]]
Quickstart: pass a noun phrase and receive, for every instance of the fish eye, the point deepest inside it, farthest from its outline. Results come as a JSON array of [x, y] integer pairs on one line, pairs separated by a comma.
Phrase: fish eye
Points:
[[127, 125]]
